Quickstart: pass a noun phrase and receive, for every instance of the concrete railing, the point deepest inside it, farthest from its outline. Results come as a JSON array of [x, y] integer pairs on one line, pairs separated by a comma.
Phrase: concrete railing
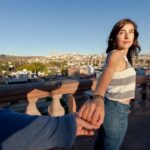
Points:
[[142, 94], [32, 92]]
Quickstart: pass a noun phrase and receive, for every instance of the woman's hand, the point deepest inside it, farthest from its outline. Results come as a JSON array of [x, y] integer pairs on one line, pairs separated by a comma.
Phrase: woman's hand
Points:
[[93, 111]]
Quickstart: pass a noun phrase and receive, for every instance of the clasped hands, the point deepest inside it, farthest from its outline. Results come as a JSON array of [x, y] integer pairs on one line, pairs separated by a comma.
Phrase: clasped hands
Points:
[[90, 117]]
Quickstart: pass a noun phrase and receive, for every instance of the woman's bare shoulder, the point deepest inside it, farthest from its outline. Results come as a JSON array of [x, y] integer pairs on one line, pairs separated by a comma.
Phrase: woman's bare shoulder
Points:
[[115, 56]]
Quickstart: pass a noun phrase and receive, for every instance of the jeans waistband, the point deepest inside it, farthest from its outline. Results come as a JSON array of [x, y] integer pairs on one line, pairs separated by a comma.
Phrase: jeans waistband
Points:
[[117, 103]]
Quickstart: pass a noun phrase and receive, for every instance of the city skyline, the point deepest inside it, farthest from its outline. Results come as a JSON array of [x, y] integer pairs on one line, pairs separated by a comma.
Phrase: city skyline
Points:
[[38, 28]]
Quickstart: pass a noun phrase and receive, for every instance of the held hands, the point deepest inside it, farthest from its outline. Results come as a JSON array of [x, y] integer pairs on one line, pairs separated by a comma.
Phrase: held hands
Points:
[[90, 116], [84, 127], [93, 111]]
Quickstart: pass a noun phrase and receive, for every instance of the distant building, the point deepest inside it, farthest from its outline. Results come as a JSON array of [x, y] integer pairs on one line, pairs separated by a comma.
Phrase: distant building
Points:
[[87, 70], [73, 71]]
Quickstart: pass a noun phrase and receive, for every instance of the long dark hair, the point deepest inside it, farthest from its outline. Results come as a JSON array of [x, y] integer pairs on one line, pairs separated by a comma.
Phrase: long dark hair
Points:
[[134, 49]]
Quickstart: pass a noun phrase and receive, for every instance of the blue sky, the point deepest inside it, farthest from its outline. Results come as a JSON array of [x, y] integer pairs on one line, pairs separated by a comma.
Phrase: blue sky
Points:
[[42, 27]]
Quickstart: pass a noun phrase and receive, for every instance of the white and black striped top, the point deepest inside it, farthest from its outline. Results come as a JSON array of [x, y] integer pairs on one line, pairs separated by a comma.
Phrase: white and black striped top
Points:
[[122, 85]]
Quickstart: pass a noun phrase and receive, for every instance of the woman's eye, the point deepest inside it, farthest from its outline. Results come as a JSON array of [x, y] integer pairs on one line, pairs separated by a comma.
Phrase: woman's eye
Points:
[[121, 32], [131, 32]]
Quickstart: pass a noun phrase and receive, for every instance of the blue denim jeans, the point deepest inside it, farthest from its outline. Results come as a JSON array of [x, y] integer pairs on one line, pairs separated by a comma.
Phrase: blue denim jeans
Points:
[[111, 134]]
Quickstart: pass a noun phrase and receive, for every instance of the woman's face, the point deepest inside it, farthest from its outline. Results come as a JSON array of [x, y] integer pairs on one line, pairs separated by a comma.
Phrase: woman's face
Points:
[[125, 37]]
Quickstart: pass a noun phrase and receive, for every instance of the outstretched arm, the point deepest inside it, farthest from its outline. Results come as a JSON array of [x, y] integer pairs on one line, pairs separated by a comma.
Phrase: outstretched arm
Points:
[[21, 131], [93, 110]]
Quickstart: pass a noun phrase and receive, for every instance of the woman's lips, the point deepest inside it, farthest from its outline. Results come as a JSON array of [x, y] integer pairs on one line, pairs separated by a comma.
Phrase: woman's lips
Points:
[[126, 42]]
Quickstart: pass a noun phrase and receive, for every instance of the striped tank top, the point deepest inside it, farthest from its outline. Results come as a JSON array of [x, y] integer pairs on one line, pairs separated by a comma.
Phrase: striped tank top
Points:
[[122, 85]]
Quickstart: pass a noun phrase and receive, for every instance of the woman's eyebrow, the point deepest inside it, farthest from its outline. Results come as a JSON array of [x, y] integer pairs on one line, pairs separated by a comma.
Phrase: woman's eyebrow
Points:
[[125, 29]]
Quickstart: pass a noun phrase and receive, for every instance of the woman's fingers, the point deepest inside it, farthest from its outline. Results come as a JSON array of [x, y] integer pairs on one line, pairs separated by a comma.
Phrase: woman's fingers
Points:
[[81, 110], [95, 116], [91, 111], [100, 120], [86, 111], [98, 115]]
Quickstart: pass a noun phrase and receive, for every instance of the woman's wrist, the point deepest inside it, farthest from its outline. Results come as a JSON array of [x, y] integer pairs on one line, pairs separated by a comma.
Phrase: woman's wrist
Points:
[[98, 96]]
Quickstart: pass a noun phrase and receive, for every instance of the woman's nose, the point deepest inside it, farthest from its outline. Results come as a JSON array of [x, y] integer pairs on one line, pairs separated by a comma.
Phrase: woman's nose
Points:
[[127, 35]]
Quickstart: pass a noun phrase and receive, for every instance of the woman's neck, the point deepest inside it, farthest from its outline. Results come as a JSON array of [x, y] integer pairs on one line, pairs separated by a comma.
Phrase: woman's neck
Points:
[[124, 52]]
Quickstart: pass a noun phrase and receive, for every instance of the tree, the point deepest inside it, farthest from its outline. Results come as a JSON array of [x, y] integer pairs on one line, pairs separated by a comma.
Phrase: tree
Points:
[[34, 67]]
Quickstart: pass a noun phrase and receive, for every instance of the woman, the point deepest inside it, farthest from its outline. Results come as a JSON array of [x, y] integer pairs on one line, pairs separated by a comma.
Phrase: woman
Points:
[[116, 86]]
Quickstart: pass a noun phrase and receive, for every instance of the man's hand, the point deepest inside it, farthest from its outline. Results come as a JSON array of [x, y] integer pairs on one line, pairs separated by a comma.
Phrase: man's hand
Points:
[[84, 127], [93, 111]]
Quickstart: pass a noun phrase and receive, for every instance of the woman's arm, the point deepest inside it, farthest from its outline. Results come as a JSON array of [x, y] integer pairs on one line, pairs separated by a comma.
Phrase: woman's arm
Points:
[[106, 76], [93, 111]]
